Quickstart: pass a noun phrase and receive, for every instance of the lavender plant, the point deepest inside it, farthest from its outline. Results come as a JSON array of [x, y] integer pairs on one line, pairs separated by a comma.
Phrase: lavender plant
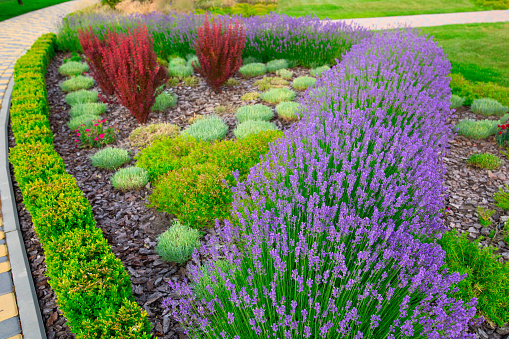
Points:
[[325, 234]]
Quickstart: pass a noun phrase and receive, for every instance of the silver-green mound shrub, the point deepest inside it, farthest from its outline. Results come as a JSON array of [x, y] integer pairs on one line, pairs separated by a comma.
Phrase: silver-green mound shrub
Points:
[[318, 70], [73, 68], [81, 97], [252, 127], [284, 73], [177, 62], [207, 129], [488, 107], [110, 158], [253, 70], [130, 178], [90, 108], [277, 95], [86, 119], [302, 83], [178, 243], [164, 100], [287, 110], [76, 83], [251, 60], [457, 101], [274, 65], [254, 112], [181, 71], [477, 129]]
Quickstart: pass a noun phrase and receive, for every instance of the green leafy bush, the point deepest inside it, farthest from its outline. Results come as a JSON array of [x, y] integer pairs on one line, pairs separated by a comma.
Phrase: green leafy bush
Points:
[[502, 198], [254, 112], [130, 178], [74, 57], [81, 97], [318, 70], [253, 70], [302, 83], [178, 243], [164, 100], [457, 101], [145, 135], [287, 110], [251, 60], [488, 107], [89, 108], [277, 95], [484, 160], [110, 158], [477, 129], [207, 129], [76, 83], [275, 65], [86, 120], [196, 195], [73, 68], [181, 71], [162, 62], [284, 73], [486, 277], [253, 127]]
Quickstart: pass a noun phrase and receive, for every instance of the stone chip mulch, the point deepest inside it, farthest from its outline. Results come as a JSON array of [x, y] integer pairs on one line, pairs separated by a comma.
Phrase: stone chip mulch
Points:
[[131, 228]]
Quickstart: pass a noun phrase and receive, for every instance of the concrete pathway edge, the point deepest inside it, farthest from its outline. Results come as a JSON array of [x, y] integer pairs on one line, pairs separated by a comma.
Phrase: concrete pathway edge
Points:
[[32, 325]]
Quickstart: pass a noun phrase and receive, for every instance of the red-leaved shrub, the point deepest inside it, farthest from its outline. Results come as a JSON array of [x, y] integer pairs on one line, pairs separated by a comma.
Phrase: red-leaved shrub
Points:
[[131, 65], [92, 46], [219, 51]]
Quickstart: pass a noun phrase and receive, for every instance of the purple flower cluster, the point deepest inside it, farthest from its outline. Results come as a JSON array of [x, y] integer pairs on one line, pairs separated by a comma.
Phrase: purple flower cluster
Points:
[[327, 235], [273, 36]]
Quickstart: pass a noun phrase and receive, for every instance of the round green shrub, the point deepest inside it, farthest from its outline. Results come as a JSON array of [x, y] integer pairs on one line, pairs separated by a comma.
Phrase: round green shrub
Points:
[[76, 83], [81, 97], [318, 70], [181, 71], [253, 70], [207, 129], [73, 68], [253, 127], [130, 178], [164, 100], [90, 108], [284, 73], [254, 112], [302, 83], [251, 60], [110, 158], [477, 129], [177, 62], [85, 119], [193, 61], [484, 160], [277, 95], [287, 110], [457, 101], [274, 65], [488, 107], [178, 243]]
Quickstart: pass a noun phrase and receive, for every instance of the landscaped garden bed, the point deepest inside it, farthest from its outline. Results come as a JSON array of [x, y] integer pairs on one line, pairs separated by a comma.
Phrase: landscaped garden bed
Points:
[[187, 179]]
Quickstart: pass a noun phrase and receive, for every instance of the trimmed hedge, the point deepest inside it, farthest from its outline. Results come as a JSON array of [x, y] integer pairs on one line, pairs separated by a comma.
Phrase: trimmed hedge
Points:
[[93, 289]]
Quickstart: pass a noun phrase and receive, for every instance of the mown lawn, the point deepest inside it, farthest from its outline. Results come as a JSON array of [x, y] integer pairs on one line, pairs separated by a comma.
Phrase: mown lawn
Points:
[[480, 52], [347, 9], [11, 8]]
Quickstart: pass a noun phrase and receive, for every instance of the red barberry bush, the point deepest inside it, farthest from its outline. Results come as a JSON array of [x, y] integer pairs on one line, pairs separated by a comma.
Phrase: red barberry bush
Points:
[[92, 46], [219, 51], [131, 65]]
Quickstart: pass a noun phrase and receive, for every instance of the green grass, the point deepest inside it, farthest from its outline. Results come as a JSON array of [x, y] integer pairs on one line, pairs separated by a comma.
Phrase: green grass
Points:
[[347, 9], [11, 8], [477, 51]]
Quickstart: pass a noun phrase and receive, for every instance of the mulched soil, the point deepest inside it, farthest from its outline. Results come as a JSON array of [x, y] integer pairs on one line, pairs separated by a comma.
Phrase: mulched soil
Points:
[[131, 228]]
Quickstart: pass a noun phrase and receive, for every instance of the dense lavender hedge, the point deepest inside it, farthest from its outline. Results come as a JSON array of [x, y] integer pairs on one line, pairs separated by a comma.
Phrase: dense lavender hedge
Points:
[[269, 37], [326, 237]]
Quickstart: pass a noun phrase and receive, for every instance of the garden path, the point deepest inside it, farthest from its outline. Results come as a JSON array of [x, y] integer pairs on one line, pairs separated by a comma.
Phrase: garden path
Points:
[[18, 34]]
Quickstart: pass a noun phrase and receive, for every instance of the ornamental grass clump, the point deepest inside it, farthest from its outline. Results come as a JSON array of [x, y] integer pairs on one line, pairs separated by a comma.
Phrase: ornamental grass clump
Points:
[[145, 135], [502, 197], [163, 101], [314, 72], [253, 70], [90, 108], [288, 110], [488, 107], [284, 73], [270, 82], [178, 243], [110, 158], [76, 83], [484, 160], [73, 68], [254, 112], [277, 95], [207, 129], [303, 83], [181, 71], [130, 178], [457, 101], [324, 240], [477, 129], [81, 97], [275, 65], [250, 127]]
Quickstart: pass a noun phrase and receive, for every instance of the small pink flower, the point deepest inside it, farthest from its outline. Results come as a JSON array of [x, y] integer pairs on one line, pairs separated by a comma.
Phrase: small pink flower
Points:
[[77, 130], [96, 138], [101, 136], [78, 134], [87, 130], [82, 125], [77, 141], [96, 124]]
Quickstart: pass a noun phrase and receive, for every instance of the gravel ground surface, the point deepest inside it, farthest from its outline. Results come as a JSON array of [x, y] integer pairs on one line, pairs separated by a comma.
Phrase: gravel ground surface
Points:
[[131, 228]]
